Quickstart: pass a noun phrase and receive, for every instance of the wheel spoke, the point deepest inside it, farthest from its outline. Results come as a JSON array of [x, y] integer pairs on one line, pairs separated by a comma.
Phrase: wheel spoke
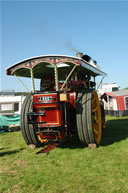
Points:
[[93, 100], [97, 122], [94, 110], [95, 131]]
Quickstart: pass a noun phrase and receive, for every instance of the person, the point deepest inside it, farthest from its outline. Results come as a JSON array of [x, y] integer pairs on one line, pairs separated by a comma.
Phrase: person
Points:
[[47, 83]]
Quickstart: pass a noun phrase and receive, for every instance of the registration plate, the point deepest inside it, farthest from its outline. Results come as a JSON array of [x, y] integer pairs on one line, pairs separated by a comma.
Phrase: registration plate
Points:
[[45, 98]]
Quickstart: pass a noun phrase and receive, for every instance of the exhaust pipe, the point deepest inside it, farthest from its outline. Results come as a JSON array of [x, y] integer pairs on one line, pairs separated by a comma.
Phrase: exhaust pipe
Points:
[[79, 54]]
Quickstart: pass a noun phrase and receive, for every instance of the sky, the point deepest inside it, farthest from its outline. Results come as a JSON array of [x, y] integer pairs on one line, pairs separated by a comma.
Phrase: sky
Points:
[[33, 28]]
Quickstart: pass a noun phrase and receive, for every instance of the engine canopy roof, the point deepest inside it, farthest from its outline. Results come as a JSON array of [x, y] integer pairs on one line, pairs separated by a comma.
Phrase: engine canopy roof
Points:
[[42, 65]]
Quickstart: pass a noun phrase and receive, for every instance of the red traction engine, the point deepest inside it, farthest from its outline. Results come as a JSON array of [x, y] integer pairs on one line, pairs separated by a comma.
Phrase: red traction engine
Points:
[[66, 103]]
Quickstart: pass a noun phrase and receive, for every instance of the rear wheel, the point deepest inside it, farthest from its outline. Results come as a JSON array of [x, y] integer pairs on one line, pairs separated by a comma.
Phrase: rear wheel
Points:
[[28, 130], [88, 115]]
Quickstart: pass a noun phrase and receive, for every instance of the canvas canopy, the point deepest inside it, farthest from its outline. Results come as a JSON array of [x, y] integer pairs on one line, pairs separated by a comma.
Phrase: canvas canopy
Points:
[[46, 64]]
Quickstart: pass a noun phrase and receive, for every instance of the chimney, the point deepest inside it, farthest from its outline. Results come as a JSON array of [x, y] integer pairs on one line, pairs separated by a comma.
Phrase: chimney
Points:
[[79, 54]]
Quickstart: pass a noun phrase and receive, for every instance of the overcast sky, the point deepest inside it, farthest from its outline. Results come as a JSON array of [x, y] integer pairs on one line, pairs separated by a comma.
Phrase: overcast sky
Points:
[[97, 28]]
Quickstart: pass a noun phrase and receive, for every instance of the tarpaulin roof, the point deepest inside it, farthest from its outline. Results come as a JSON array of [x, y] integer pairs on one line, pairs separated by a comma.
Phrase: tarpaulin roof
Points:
[[9, 120]]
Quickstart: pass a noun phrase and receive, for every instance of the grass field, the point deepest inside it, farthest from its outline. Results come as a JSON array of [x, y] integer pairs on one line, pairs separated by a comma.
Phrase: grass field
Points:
[[70, 168]]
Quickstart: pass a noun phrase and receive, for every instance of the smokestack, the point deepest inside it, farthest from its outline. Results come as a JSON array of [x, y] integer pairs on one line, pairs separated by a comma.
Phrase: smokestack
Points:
[[79, 54]]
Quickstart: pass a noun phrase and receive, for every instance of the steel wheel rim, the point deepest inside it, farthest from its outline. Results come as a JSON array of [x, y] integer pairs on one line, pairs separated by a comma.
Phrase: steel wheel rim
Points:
[[96, 118]]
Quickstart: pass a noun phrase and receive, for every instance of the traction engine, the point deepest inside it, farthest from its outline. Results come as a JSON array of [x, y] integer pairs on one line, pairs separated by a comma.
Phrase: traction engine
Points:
[[67, 102]]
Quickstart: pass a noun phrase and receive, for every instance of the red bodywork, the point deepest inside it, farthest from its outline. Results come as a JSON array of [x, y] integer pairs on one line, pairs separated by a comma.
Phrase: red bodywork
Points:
[[49, 104], [52, 112]]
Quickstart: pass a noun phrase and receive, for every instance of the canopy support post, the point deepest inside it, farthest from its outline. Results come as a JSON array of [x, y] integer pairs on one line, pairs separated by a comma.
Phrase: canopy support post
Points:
[[100, 82], [22, 83], [32, 78], [68, 77], [94, 81], [56, 75]]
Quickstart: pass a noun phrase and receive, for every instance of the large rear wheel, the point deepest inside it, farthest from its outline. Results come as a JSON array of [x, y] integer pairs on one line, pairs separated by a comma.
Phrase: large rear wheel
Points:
[[28, 130], [88, 116]]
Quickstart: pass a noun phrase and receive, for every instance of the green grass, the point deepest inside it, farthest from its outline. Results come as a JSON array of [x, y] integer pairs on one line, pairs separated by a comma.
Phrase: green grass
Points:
[[70, 168]]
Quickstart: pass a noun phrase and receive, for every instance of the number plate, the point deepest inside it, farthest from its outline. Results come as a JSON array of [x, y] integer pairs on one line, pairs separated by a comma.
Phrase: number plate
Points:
[[45, 98]]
